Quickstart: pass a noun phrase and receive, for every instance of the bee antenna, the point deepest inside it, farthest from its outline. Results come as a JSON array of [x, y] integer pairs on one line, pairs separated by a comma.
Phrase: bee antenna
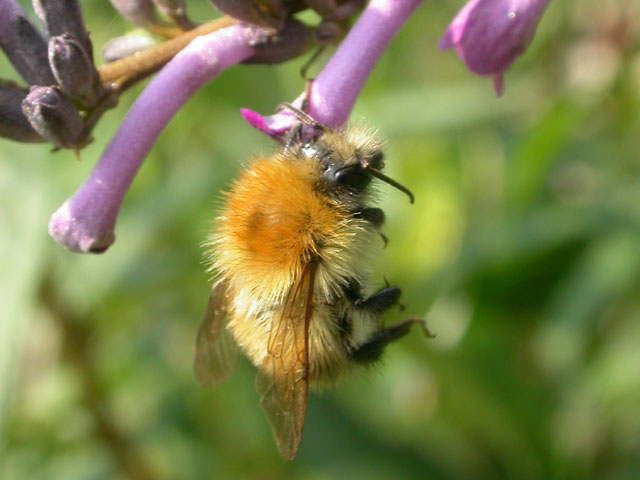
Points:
[[302, 116], [378, 174]]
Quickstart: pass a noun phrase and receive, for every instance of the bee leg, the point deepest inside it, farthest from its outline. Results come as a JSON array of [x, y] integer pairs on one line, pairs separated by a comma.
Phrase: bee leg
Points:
[[308, 82], [310, 61], [294, 136], [380, 301], [375, 216], [377, 302], [385, 239], [371, 350]]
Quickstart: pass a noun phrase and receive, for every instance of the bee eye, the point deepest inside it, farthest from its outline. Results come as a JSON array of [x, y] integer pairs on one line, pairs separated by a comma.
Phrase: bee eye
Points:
[[352, 176], [376, 160]]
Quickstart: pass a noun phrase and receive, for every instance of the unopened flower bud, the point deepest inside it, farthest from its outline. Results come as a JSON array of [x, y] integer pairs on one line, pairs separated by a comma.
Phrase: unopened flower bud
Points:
[[489, 34], [275, 46], [63, 16], [138, 12], [23, 45], [53, 116], [120, 47], [13, 123], [73, 69], [268, 13]]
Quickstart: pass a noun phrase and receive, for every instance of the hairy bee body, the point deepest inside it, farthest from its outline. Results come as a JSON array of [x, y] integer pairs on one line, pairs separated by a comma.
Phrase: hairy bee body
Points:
[[292, 251], [276, 219]]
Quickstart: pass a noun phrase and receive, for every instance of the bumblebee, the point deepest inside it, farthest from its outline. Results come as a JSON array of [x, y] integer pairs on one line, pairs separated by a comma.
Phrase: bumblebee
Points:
[[292, 250]]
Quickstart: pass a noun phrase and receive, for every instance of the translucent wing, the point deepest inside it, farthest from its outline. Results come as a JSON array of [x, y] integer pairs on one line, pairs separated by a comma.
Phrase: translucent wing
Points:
[[283, 378], [216, 352]]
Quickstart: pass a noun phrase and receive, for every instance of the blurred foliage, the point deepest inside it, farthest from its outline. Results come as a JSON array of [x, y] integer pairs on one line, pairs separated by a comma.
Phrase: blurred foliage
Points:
[[522, 251]]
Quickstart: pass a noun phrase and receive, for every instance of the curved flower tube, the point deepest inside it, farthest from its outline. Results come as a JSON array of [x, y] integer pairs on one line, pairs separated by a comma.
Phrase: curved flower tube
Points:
[[85, 222], [334, 91]]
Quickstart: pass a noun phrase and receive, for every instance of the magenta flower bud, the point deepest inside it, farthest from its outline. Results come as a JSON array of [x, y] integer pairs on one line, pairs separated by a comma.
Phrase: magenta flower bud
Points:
[[489, 34], [53, 116]]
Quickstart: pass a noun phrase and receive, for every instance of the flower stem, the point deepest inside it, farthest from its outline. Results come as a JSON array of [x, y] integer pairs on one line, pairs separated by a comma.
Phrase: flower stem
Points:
[[126, 71]]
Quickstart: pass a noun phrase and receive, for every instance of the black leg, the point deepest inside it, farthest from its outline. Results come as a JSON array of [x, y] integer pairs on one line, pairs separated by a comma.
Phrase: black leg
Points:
[[385, 240], [377, 302], [375, 216], [371, 350], [294, 136], [308, 82], [381, 300]]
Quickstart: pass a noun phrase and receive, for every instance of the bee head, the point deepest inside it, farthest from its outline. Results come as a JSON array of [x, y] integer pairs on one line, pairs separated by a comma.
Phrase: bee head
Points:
[[348, 158], [344, 166], [354, 174]]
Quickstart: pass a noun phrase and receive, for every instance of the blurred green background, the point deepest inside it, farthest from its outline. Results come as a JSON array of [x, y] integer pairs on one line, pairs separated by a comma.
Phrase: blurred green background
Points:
[[522, 251]]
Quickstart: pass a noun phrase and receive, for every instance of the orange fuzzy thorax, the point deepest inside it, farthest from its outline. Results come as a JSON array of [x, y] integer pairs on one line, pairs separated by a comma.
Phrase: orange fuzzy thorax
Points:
[[273, 222], [279, 215]]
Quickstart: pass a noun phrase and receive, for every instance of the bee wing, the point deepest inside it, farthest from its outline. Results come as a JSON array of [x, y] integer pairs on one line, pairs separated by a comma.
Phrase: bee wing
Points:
[[283, 378], [216, 352]]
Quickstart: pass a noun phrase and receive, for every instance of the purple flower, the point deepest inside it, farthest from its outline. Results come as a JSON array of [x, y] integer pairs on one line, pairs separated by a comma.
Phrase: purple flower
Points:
[[489, 34], [85, 222]]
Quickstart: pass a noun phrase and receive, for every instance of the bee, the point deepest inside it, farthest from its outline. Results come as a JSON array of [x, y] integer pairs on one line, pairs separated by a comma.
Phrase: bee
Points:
[[292, 249]]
